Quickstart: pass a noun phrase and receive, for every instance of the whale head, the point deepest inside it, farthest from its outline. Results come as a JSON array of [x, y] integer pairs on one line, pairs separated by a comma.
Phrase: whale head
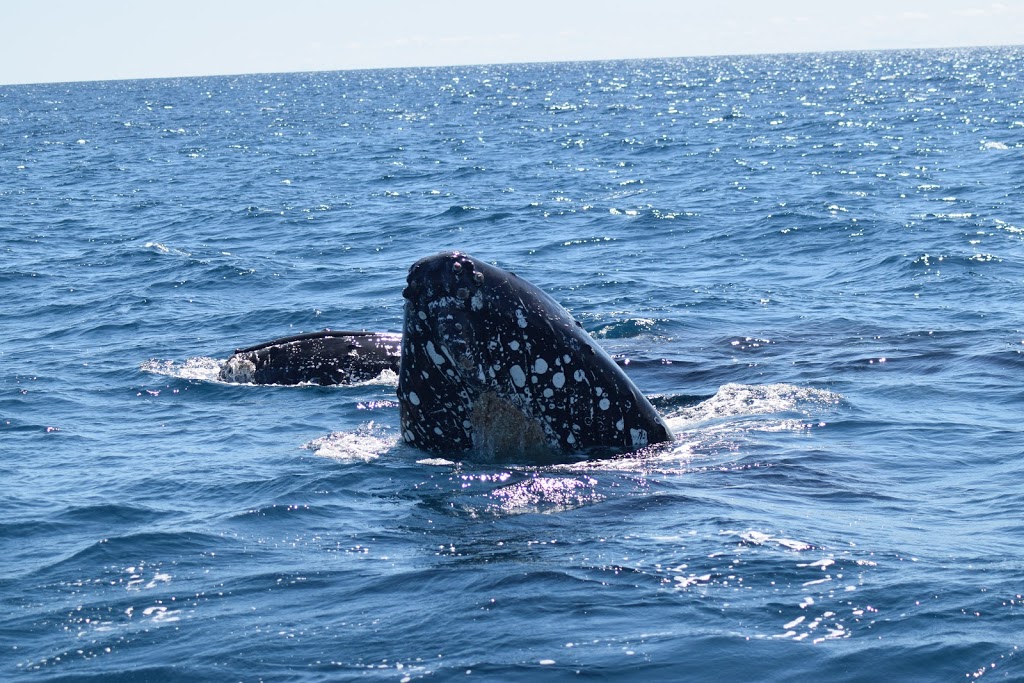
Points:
[[494, 369]]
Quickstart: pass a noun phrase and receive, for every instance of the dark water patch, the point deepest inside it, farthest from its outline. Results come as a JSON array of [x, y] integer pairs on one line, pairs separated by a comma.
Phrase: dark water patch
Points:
[[118, 549], [108, 513]]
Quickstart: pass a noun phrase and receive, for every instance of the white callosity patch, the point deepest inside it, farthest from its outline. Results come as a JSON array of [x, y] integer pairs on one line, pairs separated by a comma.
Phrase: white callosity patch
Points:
[[639, 437], [434, 355], [448, 354], [439, 306], [518, 376]]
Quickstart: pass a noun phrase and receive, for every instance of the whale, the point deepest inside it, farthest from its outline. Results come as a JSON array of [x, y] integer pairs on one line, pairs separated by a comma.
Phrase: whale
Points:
[[489, 366], [326, 358], [494, 369]]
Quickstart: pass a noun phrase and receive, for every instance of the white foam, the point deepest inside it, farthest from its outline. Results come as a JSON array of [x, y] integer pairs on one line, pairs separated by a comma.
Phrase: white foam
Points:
[[360, 445], [387, 377], [209, 369], [201, 367], [436, 462], [164, 249], [735, 400]]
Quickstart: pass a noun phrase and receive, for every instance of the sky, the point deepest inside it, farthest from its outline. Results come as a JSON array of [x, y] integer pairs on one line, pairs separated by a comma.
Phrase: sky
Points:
[[84, 40]]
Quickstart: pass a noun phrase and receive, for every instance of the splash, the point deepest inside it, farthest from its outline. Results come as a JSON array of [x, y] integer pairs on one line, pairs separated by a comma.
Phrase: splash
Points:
[[666, 458], [737, 400], [363, 444], [164, 249], [708, 435], [201, 368], [232, 371], [386, 378]]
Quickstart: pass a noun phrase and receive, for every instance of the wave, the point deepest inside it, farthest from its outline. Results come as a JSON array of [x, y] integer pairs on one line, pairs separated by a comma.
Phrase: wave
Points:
[[710, 436], [734, 401]]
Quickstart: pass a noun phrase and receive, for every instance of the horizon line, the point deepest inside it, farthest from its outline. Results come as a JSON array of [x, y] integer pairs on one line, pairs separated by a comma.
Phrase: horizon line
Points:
[[518, 63]]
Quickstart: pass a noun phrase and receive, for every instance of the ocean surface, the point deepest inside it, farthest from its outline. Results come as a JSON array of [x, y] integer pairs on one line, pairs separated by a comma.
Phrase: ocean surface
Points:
[[814, 265]]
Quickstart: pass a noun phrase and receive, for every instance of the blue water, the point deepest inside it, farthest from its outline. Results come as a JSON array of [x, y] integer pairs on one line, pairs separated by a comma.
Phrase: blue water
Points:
[[813, 263]]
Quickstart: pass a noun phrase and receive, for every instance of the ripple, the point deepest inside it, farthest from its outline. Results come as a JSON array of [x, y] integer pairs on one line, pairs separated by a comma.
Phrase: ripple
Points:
[[754, 233]]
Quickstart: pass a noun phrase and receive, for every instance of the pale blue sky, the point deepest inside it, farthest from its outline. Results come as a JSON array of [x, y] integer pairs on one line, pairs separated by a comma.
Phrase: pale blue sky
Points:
[[73, 40]]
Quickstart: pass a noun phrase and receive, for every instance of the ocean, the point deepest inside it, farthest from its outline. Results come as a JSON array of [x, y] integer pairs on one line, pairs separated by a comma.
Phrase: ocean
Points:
[[813, 264]]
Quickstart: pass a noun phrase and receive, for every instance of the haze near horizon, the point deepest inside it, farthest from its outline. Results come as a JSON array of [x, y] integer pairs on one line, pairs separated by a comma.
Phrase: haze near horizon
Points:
[[62, 40]]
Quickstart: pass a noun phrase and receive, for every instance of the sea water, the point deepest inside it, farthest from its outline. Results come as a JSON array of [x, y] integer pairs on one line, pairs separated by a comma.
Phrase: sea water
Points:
[[813, 264]]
